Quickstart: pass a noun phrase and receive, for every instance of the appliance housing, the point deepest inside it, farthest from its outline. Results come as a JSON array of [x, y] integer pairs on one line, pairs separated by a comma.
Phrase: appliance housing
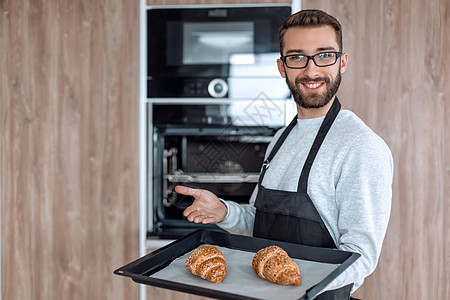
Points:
[[226, 51], [214, 101]]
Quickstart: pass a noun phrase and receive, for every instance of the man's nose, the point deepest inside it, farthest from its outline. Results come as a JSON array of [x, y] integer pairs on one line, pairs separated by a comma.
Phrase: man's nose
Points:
[[311, 67]]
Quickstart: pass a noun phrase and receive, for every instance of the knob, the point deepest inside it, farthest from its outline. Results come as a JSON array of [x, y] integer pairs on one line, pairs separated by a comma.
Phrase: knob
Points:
[[218, 88]]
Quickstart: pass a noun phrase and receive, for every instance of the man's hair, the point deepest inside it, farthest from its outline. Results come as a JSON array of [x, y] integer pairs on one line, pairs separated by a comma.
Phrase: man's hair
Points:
[[310, 18]]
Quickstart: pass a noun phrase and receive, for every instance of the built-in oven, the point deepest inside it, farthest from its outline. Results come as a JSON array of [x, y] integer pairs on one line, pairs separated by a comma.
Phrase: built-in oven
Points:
[[215, 99], [213, 147], [215, 51]]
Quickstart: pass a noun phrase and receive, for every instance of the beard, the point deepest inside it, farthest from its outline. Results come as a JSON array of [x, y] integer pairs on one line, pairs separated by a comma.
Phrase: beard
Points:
[[314, 100]]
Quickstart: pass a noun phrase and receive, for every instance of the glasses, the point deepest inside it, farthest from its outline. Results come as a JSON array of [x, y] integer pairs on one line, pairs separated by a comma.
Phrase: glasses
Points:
[[324, 59]]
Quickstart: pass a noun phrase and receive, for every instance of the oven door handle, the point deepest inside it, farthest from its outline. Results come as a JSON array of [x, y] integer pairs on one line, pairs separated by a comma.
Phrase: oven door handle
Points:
[[214, 178]]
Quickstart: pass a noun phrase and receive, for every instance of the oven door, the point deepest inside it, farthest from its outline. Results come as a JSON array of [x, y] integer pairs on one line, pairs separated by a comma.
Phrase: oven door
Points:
[[223, 160]]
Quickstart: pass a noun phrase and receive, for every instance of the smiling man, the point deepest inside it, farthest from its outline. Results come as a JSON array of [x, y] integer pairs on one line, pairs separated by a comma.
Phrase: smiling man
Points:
[[309, 64], [327, 177]]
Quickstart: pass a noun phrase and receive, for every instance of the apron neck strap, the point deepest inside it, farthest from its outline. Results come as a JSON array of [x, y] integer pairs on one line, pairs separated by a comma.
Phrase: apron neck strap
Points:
[[277, 147], [324, 128]]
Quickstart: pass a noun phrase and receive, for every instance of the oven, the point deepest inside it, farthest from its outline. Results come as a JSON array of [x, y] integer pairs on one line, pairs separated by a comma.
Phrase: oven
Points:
[[215, 147], [214, 51], [214, 101]]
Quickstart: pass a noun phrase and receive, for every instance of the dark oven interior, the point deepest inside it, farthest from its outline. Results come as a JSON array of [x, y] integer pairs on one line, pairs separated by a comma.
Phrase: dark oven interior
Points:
[[222, 158]]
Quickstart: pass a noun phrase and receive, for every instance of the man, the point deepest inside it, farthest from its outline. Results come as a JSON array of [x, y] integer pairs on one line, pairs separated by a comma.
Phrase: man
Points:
[[327, 177]]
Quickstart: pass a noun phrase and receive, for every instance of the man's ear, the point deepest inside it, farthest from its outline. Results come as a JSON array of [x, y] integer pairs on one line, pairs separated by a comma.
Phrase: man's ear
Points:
[[344, 61], [281, 68]]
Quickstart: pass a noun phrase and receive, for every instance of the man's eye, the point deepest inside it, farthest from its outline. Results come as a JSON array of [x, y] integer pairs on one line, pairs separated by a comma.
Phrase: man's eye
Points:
[[325, 55], [297, 58]]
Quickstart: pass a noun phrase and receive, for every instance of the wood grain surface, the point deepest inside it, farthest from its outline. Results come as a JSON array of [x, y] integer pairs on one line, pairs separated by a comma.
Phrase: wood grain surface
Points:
[[397, 82], [69, 183]]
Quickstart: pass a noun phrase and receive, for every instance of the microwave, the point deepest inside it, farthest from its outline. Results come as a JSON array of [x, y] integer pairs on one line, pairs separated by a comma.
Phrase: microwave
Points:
[[226, 51]]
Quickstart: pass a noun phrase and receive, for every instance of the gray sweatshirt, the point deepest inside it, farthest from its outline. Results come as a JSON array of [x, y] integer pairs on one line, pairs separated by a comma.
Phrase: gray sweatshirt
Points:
[[350, 184]]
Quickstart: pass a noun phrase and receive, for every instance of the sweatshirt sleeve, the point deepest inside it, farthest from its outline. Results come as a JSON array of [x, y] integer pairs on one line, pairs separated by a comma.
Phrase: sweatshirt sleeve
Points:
[[240, 217], [363, 199]]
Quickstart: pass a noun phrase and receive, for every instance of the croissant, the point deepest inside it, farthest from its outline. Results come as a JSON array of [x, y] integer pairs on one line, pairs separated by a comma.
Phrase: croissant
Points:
[[208, 263], [274, 264]]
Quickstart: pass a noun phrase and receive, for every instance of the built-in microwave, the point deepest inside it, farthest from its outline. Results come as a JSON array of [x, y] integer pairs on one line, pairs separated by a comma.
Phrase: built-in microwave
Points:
[[226, 51]]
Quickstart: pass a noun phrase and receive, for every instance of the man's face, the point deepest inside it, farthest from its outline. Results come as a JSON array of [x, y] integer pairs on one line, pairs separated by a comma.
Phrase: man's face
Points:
[[312, 86]]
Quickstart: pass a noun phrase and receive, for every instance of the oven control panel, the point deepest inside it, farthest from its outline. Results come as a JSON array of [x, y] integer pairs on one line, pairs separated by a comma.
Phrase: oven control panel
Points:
[[188, 88]]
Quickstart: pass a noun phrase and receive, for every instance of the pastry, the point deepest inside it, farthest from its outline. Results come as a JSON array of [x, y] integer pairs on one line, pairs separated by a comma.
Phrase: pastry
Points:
[[208, 263], [274, 264]]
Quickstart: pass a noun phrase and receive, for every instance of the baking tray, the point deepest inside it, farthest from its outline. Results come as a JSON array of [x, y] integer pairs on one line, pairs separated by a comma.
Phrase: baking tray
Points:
[[146, 269]]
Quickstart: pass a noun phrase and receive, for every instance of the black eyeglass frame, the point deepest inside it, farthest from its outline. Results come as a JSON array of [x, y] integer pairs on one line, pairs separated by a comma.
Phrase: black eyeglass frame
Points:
[[310, 57]]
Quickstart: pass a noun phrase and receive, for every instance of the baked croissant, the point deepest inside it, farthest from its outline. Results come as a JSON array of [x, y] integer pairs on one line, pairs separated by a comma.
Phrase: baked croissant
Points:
[[208, 263], [274, 264]]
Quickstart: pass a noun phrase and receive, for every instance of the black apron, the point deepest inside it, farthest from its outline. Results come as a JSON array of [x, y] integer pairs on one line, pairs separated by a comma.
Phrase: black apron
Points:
[[291, 216]]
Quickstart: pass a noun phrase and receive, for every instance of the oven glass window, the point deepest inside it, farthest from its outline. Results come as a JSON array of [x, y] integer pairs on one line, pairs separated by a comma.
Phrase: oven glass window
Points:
[[216, 43]]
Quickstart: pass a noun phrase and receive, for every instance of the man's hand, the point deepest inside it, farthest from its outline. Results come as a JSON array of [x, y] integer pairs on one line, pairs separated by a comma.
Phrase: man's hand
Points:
[[206, 208]]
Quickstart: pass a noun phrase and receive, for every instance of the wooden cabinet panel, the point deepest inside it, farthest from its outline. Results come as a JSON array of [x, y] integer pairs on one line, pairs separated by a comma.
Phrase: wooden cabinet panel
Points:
[[397, 82], [69, 140]]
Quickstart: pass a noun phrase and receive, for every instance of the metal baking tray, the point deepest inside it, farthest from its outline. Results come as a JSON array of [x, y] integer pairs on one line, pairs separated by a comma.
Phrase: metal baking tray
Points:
[[145, 270]]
